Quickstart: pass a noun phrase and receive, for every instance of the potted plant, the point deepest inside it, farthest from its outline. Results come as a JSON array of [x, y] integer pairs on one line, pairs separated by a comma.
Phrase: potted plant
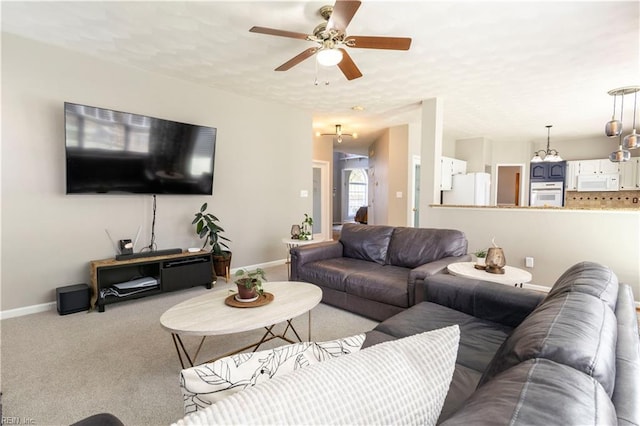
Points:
[[207, 228], [250, 283], [480, 256], [306, 232]]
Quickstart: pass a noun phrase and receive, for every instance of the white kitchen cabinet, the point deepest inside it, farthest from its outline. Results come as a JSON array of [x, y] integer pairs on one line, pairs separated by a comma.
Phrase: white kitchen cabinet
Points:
[[571, 177], [600, 166], [450, 167], [630, 174]]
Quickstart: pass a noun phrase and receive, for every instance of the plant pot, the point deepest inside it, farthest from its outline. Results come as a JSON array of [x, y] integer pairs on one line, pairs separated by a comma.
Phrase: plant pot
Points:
[[222, 264], [480, 261], [246, 293]]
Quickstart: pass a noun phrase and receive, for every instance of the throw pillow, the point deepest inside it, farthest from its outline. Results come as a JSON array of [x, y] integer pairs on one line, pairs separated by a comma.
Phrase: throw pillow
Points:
[[404, 381], [207, 384]]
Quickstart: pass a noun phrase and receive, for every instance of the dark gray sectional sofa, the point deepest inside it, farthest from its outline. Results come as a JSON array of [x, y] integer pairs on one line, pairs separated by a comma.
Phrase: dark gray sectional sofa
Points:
[[570, 358], [377, 271]]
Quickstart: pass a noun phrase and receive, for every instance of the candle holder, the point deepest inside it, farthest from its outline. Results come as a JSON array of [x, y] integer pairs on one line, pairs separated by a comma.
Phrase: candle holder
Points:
[[495, 260]]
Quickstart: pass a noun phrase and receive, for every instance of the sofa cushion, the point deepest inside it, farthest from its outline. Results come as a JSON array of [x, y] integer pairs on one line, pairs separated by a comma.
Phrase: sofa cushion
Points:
[[479, 339], [590, 278], [332, 273], [366, 242], [574, 329], [626, 395], [412, 247], [538, 392], [482, 299], [386, 284], [209, 383], [404, 381]]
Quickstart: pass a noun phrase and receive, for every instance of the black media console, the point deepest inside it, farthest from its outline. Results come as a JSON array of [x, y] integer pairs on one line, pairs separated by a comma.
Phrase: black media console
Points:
[[114, 280]]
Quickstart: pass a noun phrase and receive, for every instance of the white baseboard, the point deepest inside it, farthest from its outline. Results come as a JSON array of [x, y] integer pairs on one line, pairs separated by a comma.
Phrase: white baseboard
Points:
[[260, 265], [536, 287], [27, 310], [34, 309]]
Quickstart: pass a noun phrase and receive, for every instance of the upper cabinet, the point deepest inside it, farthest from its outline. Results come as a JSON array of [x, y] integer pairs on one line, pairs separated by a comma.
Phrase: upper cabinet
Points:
[[548, 171], [571, 178], [450, 167], [630, 174], [603, 166]]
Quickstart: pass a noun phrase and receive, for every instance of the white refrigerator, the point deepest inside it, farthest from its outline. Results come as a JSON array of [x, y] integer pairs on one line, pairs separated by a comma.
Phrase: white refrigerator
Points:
[[471, 189]]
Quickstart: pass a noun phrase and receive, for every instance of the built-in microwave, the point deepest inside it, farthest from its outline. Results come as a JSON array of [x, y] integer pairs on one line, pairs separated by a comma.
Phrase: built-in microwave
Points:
[[600, 182]]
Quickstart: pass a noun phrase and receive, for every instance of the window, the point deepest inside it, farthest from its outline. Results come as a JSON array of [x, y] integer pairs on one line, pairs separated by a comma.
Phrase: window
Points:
[[357, 191]]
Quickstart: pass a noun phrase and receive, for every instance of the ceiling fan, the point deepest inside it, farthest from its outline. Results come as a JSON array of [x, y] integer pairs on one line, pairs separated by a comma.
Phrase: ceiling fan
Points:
[[332, 38]]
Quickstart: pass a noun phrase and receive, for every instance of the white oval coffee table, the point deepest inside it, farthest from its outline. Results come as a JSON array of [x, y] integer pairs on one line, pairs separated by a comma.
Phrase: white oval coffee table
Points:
[[208, 315], [512, 276]]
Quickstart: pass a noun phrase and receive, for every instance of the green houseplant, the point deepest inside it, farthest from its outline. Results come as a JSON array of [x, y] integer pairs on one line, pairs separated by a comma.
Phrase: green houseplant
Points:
[[480, 256], [250, 283], [306, 228], [207, 228]]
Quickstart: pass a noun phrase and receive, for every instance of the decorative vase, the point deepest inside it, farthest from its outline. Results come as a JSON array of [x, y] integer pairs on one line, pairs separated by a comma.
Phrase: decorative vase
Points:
[[495, 260]]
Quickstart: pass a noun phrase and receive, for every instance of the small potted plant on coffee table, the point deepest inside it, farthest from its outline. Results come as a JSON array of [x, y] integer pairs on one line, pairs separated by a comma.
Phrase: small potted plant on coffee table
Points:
[[249, 283]]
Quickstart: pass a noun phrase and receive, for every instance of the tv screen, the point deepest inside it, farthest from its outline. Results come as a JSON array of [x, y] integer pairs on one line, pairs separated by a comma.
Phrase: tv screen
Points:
[[117, 152]]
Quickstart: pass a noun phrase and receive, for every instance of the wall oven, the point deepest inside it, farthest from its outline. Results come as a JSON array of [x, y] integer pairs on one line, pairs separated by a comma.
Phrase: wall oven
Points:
[[547, 194]]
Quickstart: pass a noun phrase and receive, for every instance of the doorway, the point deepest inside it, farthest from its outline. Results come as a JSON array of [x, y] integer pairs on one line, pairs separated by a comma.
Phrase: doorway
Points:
[[509, 185], [321, 200], [415, 216]]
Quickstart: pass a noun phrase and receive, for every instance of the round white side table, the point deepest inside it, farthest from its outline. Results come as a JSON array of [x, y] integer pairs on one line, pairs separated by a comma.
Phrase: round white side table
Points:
[[512, 276]]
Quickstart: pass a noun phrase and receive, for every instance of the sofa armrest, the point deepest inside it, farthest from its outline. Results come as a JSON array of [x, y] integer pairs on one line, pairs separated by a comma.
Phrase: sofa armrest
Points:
[[302, 255], [417, 275], [483, 299]]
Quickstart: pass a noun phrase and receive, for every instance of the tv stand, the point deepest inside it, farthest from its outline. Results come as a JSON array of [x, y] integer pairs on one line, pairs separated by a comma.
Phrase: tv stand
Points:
[[148, 254], [175, 271]]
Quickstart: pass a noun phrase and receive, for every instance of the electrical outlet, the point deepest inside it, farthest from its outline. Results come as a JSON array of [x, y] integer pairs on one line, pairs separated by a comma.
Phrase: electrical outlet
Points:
[[528, 262], [635, 200]]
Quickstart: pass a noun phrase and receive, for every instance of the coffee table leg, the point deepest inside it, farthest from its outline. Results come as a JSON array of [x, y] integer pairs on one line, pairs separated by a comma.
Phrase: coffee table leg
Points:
[[177, 342]]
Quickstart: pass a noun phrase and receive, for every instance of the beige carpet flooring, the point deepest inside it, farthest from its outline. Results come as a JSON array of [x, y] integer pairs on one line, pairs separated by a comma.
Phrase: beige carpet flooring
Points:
[[59, 369]]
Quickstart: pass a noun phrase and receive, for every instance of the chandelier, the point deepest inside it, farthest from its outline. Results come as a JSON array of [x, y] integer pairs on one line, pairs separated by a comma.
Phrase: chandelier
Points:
[[548, 155], [339, 134], [613, 128]]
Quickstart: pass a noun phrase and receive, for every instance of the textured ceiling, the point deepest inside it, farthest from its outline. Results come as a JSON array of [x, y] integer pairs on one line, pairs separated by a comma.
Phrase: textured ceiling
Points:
[[503, 69]]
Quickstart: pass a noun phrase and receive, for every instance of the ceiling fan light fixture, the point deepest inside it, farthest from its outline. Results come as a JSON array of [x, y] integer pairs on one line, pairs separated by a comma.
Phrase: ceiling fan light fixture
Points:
[[328, 57]]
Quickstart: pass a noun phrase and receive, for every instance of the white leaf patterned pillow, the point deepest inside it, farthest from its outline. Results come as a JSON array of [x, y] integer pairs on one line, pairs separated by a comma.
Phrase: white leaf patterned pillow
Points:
[[399, 382], [207, 384]]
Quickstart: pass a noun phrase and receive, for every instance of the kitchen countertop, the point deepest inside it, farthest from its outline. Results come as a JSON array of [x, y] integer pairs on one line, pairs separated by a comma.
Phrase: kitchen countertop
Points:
[[539, 207]]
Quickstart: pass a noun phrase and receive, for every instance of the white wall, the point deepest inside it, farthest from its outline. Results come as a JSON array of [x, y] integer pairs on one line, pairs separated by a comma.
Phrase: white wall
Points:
[[556, 239], [48, 237]]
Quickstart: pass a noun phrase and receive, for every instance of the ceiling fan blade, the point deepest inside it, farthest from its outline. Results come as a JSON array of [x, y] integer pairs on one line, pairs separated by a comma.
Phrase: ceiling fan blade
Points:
[[342, 14], [281, 33], [297, 59], [372, 42], [348, 67]]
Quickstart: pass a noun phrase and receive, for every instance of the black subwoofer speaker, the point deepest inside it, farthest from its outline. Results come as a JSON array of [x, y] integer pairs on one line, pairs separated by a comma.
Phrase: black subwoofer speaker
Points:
[[72, 298]]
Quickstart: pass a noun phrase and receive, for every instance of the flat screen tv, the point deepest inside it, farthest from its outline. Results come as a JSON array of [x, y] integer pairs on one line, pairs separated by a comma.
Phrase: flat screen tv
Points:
[[117, 152]]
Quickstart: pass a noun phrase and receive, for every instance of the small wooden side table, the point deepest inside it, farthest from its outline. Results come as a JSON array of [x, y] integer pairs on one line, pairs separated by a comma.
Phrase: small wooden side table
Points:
[[291, 243]]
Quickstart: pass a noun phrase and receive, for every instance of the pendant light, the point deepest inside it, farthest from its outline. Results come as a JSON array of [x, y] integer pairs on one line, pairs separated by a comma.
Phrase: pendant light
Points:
[[614, 127], [550, 155], [631, 141]]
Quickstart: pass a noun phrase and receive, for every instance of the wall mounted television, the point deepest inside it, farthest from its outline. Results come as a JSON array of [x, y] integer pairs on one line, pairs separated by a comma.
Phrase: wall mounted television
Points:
[[113, 152]]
